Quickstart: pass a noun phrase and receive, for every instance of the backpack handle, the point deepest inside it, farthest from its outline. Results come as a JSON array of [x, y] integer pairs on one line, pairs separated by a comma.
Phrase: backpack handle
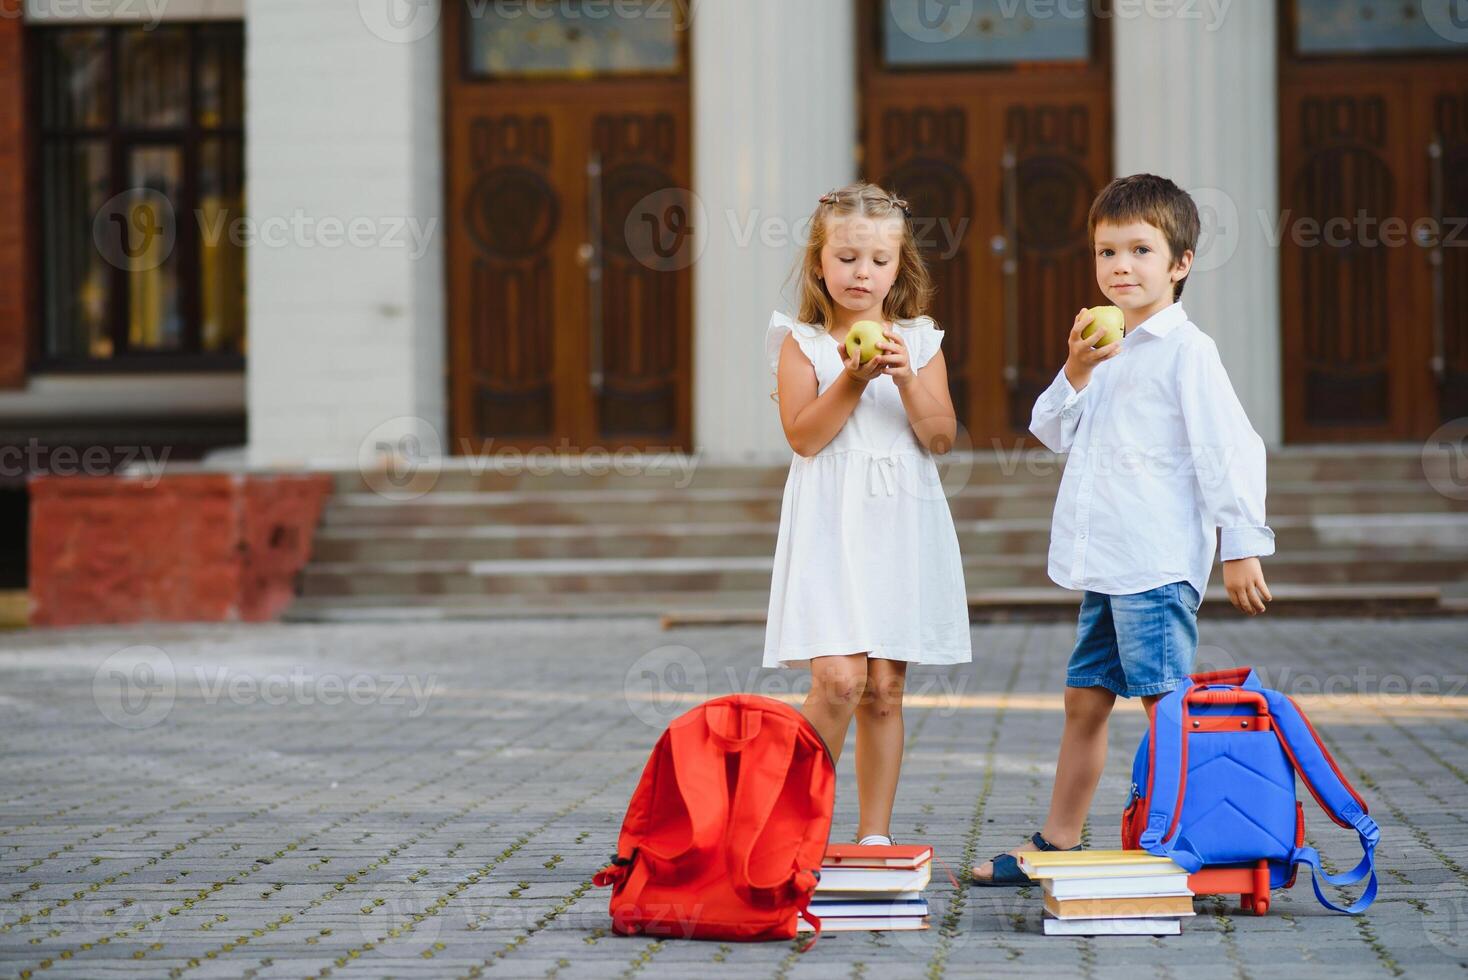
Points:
[[732, 726], [1231, 696]]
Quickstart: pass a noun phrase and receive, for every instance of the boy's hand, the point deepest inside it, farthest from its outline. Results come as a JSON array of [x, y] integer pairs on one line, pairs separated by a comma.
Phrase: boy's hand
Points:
[[1084, 356], [1244, 580]]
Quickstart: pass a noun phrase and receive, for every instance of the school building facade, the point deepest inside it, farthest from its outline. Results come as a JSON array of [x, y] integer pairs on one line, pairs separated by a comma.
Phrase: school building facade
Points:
[[288, 234]]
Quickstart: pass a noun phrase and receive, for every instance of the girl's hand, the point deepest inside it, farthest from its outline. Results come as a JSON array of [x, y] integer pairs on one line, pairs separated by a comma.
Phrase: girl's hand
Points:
[[858, 372], [898, 366]]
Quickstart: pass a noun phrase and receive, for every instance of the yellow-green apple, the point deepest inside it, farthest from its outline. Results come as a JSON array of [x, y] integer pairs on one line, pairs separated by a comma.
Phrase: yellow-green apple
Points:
[[1108, 320], [862, 340]]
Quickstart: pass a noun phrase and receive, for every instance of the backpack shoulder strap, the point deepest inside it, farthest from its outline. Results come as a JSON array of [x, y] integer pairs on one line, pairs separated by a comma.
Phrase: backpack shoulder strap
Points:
[[1336, 797], [1167, 779]]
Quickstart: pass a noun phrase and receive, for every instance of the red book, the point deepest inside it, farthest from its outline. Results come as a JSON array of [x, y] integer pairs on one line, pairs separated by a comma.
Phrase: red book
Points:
[[876, 856]]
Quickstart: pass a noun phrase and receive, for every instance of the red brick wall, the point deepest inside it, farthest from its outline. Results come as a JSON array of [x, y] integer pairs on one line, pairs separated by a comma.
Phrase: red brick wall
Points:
[[15, 282], [189, 548]]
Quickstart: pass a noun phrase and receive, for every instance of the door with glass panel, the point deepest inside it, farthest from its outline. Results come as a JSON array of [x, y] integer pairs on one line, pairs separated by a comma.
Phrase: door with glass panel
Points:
[[139, 143], [1373, 228], [570, 225], [997, 127]]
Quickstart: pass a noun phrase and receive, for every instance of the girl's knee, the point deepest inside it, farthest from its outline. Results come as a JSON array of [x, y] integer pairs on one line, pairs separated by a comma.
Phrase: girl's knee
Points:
[[838, 686], [884, 690]]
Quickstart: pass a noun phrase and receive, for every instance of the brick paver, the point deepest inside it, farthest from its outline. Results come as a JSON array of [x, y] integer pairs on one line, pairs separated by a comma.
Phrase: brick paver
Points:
[[432, 800]]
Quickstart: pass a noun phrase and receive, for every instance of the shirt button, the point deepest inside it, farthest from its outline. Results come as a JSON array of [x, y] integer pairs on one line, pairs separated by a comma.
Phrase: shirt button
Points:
[[1083, 535]]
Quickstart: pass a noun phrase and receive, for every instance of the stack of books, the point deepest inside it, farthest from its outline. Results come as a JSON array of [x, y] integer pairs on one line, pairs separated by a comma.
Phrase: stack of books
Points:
[[1110, 893], [873, 887]]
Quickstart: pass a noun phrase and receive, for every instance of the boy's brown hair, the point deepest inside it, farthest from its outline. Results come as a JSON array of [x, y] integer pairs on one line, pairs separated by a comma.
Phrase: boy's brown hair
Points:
[[1157, 201]]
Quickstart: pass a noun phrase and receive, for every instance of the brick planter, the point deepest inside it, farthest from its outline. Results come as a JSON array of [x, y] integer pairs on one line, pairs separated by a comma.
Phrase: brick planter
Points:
[[197, 547]]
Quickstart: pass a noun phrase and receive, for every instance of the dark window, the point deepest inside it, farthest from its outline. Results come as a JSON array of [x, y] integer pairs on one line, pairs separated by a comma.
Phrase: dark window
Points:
[[141, 166]]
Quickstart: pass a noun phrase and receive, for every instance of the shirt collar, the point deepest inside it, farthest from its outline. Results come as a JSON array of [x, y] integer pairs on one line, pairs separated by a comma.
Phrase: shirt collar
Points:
[[1163, 322]]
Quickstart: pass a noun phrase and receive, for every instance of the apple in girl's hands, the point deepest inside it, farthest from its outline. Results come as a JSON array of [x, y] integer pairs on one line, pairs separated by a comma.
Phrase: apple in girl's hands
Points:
[[862, 339], [1109, 321]]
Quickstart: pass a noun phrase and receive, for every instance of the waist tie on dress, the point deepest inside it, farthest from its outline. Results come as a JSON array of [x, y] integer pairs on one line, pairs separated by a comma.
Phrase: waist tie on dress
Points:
[[883, 476]]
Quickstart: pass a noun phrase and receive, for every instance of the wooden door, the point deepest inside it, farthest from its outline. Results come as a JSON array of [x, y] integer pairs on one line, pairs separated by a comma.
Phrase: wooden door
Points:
[[570, 293], [1001, 161], [1374, 265]]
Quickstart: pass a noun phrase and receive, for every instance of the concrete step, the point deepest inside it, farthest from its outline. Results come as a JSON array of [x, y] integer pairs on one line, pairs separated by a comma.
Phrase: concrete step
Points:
[[372, 543], [726, 506], [589, 576], [543, 472], [701, 608]]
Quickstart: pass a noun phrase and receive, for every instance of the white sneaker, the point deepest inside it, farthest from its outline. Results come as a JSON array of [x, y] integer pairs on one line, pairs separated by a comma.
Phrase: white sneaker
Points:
[[875, 839]]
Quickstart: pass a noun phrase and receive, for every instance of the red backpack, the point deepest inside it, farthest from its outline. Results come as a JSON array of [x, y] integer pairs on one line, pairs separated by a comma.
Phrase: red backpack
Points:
[[724, 836]]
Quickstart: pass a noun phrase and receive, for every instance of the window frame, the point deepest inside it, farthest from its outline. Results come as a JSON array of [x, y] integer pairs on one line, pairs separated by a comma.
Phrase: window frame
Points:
[[463, 30], [872, 28], [1288, 21], [119, 140]]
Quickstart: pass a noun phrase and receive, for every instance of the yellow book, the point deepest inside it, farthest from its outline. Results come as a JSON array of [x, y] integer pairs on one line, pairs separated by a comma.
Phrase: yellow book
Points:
[[1047, 864], [1120, 908]]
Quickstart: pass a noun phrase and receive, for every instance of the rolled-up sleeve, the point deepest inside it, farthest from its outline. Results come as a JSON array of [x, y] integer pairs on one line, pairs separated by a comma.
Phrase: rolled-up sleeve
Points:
[[1057, 414], [1228, 455]]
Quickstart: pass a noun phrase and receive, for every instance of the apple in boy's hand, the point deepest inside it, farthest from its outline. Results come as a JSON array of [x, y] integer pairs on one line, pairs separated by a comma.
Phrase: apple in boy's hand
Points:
[[862, 340], [1109, 321]]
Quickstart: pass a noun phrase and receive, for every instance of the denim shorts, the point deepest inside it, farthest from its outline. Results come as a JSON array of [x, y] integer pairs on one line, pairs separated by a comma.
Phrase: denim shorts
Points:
[[1136, 644]]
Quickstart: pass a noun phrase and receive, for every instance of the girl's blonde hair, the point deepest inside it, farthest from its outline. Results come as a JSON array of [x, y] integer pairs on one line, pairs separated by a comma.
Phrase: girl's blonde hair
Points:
[[911, 290]]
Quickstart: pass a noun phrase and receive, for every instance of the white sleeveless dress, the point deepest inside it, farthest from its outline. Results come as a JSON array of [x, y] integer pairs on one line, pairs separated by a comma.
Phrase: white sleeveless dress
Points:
[[867, 559]]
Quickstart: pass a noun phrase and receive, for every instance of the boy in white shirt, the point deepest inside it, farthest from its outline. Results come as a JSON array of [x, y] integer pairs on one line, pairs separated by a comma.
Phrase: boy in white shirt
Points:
[[1161, 457]]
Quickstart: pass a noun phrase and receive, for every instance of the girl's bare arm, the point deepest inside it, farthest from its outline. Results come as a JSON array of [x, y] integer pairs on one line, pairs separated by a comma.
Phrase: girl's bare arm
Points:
[[812, 420]]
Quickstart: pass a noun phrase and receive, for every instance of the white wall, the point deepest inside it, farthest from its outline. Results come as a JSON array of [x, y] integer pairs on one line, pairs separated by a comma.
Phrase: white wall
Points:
[[346, 340], [774, 128], [1195, 101]]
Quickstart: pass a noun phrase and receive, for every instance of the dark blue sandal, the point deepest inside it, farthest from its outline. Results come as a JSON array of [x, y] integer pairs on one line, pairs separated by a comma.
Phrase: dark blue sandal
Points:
[[1006, 866]]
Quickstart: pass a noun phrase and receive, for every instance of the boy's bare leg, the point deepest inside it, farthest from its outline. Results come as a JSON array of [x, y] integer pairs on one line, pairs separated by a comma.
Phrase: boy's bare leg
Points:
[[879, 738], [1077, 771], [835, 690]]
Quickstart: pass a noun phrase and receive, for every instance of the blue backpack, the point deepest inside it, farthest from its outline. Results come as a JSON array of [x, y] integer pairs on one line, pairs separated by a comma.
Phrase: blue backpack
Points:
[[1219, 789]]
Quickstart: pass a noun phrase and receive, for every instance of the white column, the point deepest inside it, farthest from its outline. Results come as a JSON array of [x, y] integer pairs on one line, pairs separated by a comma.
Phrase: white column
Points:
[[774, 128], [345, 271], [1195, 90]]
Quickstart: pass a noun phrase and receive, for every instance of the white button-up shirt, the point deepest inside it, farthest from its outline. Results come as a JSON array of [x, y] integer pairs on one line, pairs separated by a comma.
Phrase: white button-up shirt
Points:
[[1161, 455]]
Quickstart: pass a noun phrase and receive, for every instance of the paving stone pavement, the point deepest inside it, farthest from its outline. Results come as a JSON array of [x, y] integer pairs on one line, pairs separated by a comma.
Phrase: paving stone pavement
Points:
[[432, 800]]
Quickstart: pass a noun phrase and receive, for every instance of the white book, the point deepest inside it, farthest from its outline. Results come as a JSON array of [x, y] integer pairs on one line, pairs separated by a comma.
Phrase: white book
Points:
[[873, 879], [840, 896], [1113, 927], [1128, 887], [876, 923]]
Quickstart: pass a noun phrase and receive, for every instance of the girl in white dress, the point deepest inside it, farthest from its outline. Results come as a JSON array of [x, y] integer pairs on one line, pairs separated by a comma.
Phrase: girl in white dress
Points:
[[867, 577]]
